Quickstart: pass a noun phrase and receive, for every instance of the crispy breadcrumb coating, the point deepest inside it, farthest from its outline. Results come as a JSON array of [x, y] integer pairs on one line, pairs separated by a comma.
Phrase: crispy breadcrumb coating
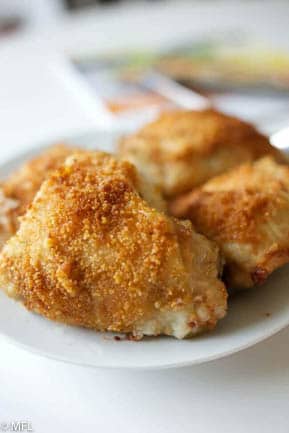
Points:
[[183, 149], [18, 191], [246, 212], [92, 251]]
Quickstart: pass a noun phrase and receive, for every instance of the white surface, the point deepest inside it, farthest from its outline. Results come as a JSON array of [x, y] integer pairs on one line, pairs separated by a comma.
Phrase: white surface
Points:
[[253, 316], [247, 392]]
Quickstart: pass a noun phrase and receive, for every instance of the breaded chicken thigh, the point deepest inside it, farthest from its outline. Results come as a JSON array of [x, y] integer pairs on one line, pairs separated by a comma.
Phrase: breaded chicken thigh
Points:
[[93, 251], [246, 211], [183, 149], [18, 191]]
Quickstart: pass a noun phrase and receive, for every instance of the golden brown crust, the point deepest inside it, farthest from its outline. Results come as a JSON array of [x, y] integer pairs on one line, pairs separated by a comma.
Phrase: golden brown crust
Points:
[[183, 149], [91, 252], [23, 184], [246, 212], [18, 191]]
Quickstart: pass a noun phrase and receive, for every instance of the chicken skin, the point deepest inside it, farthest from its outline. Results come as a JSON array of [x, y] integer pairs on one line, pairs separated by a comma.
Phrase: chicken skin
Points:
[[246, 212], [93, 251], [18, 191], [183, 149]]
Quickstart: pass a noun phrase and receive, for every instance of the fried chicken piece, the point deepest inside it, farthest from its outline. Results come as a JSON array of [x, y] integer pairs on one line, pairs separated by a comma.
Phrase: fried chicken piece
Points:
[[92, 251], [246, 211], [18, 191], [183, 149]]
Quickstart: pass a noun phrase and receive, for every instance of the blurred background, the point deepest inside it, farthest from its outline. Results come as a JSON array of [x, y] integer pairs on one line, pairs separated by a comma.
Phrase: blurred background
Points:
[[69, 66]]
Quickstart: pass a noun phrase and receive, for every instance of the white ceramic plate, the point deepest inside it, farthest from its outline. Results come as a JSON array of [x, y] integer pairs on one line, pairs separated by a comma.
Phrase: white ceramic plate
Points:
[[253, 316]]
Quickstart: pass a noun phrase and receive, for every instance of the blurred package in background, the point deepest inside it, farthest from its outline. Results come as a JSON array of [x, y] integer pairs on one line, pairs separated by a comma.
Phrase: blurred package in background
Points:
[[230, 71]]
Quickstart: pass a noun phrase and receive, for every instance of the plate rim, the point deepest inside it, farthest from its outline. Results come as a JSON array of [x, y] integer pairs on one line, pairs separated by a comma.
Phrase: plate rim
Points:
[[163, 366]]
